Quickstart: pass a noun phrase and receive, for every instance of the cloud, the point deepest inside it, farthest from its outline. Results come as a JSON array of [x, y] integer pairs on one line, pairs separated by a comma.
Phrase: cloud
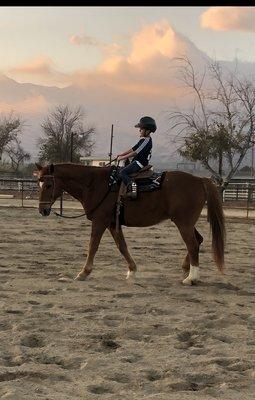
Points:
[[142, 67], [39, 70], [112, 48], [39, 65], [229, 18], [143, 70], [83, 40], [154, 40], [130, 81]]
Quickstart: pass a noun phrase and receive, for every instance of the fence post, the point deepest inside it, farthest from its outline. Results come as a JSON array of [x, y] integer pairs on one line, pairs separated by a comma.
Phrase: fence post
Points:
[[22, 194], [61, 204], [248, 201]]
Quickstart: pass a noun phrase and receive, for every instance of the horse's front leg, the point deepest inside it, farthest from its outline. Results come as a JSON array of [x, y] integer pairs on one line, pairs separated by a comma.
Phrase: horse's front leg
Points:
[[122, 246], [95, 237]]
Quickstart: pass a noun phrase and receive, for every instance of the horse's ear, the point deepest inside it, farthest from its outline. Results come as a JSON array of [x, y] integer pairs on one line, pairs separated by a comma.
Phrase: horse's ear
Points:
[[51, 168], [38, 166]]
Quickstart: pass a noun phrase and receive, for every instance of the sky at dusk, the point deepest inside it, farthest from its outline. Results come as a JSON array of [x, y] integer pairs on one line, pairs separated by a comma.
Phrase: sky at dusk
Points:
[[49, 45], [119, 53]]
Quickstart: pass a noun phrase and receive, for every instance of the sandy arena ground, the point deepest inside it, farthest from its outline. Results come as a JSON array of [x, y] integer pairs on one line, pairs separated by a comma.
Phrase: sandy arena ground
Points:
[[108, 338]]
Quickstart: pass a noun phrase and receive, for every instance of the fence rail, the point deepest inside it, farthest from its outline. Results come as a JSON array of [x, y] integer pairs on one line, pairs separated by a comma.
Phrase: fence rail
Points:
[[239, 192], [22, 191]]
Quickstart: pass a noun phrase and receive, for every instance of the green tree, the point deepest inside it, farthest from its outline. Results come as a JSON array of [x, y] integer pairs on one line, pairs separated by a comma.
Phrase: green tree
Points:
[[216, 144], [10, 128], [65, 135], [219, 126]]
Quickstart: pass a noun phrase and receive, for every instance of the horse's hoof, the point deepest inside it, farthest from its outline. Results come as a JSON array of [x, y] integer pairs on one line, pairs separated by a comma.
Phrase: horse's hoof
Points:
[[81, 277], [189, 282], [130, 274]]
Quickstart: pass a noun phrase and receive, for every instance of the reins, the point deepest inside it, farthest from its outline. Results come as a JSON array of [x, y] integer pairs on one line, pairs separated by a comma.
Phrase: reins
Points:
[[66, 216], [109, 163], [82, 215]]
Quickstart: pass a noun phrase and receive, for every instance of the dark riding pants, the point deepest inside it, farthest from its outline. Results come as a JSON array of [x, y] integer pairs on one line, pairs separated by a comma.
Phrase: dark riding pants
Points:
[[129, 169]]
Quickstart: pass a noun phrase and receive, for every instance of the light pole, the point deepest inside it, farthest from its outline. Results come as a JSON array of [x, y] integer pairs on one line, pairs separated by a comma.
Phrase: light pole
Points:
[[110, 154], [252, 155], [71, 148]]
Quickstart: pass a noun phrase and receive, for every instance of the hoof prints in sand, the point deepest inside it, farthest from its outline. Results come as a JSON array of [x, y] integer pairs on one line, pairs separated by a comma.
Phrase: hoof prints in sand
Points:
[[63, 339]]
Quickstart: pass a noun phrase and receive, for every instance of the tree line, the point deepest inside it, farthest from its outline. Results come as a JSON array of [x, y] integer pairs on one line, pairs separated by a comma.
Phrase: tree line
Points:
[[217, 129], [65, 137]]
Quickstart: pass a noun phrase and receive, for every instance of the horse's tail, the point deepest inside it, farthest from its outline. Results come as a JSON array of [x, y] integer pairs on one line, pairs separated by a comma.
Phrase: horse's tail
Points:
[[217, 222]]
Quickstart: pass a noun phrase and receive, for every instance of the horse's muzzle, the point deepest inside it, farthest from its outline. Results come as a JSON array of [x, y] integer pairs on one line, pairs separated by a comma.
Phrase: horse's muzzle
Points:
[[45, 212]]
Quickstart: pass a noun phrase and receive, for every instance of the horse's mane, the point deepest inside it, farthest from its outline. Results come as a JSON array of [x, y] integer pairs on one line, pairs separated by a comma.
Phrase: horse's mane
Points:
[[78, 170], [82, 166]]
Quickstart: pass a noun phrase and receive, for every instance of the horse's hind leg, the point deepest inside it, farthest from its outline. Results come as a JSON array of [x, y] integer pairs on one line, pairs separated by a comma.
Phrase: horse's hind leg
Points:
[[95, 237], [122, 246], [198, 237], [186, 262], [191, 239]]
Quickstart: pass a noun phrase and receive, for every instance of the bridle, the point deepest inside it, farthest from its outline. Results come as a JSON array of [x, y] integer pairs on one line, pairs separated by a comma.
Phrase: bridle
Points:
[[53, 191], [52, 199]]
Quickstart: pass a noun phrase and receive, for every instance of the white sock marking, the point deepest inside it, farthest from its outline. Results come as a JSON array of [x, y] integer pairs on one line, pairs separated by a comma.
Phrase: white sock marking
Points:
[[130, 274], [193, 274]]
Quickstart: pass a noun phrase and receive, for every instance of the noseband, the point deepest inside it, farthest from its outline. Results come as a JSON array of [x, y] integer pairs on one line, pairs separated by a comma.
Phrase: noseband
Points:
[[53, 191]]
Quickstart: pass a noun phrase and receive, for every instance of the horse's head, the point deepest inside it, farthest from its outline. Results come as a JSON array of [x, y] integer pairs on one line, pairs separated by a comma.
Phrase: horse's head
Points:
[[50, 188]]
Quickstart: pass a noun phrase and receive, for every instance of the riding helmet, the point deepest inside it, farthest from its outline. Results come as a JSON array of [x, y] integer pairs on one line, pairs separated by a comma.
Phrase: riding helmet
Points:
[[147, 123]]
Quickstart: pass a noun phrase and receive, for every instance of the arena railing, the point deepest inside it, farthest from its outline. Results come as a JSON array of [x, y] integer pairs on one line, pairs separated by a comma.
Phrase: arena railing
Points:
[[20, 192]]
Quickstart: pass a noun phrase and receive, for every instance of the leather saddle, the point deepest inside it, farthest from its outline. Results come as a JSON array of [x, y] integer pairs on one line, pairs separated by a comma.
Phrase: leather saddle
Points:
[[145, 172], [146, 179]]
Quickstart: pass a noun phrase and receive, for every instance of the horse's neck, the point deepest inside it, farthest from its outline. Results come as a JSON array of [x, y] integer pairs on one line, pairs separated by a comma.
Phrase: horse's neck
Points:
[[79, 179]]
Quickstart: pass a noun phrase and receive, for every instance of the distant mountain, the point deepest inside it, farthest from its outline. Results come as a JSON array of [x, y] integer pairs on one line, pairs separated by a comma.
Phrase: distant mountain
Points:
[[119, 99]]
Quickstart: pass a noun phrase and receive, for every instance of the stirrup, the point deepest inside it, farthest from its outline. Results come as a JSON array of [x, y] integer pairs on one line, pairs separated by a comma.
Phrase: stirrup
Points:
[[132, 190]]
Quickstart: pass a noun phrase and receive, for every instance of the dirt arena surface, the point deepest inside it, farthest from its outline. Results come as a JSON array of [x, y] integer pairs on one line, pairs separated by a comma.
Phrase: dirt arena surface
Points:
[[109, 338]]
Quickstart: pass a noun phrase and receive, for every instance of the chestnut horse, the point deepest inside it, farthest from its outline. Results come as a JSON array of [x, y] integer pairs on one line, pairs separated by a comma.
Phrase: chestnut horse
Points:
[[181, 198]]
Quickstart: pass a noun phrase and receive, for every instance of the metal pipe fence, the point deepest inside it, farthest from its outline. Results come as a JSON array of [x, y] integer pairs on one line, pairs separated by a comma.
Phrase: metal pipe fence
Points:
[[25, 193]]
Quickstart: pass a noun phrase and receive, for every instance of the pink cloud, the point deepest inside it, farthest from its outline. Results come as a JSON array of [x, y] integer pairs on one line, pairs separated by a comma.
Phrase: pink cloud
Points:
[[143, 69], [229, 18], [39, 65], [158, 39], [39, 70]]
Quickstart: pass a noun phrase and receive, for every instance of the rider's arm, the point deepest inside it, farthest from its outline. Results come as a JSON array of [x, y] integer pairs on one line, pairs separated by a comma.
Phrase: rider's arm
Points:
[[131, 152], [126, 155]]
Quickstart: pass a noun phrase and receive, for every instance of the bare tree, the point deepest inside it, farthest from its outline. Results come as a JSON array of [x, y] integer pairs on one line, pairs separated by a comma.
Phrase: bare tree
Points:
[[219, 127], [17, 154], [64, 131], [10, 127]]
